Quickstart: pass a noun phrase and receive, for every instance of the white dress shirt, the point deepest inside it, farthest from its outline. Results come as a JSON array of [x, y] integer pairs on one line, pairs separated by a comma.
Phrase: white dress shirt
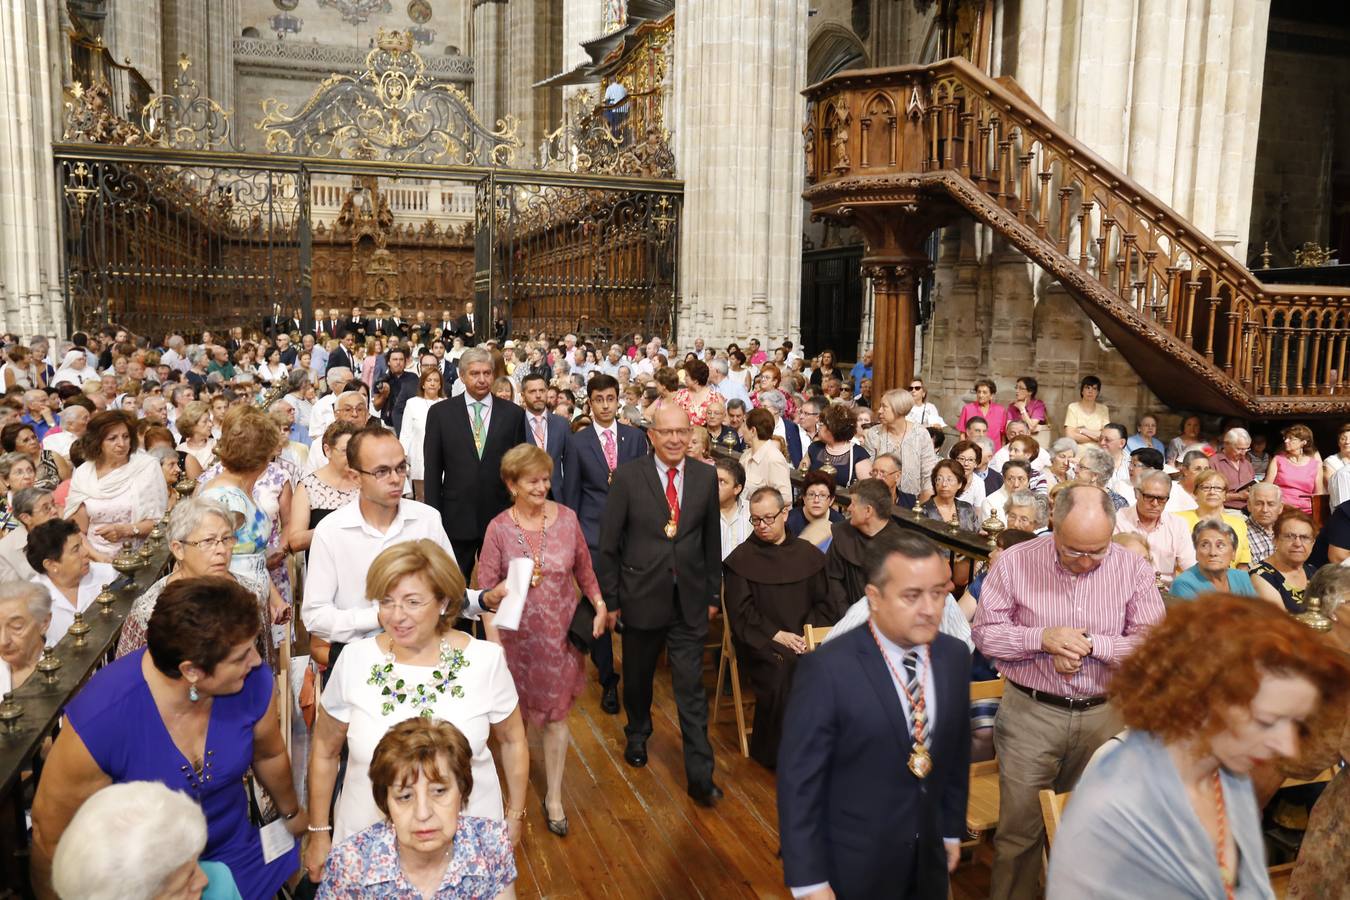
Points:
[[344, 546], [322, 414], [735, 529], [1338, 487], [63, 613]]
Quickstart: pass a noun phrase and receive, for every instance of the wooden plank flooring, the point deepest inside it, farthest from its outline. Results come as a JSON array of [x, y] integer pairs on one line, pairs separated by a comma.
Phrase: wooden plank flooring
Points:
[[635, 834]]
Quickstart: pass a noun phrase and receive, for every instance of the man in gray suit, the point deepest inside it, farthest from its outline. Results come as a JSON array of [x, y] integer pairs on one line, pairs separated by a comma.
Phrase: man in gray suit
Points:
[[660, 569]]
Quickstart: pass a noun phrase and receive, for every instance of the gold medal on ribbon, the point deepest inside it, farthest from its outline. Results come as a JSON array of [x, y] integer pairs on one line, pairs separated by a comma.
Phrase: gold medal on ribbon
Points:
[[671, 527], [920, 762], [537, 576]]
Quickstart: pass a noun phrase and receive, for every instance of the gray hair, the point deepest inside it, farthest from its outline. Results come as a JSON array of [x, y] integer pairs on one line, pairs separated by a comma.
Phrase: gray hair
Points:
[[1264, 487], [893, 457], [68, 415], [196, 355], [1214, 525], [721, 366], [1148, 476], [1063, 444], [1066, 500], [1237, 434], [338, 373], [986, 448], [1331, 585], [475, 355], [9, 460], [126, 840], [164, 454], [190, 513], [296, 379], [38, 598], [1033, 499], [1191, 456], [775, 401], [1098, 463], [900, 402], [26, 500]]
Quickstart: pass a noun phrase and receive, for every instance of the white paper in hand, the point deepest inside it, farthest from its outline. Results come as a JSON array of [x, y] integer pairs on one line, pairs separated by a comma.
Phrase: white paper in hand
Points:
[[518, 574]]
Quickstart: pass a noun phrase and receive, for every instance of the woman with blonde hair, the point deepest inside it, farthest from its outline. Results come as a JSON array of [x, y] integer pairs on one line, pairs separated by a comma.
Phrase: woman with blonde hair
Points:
[[895, 433], [549, 670], [419, 665], [429, 392], [199, 447]]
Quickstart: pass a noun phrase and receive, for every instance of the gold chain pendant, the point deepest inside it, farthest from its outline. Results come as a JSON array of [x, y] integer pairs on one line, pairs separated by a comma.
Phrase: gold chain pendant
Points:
[[920, 762], [671, 527]]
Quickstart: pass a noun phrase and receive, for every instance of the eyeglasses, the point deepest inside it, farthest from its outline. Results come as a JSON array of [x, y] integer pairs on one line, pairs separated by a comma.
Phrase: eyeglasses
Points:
[[1213, 489], [382, 472], [409, 604], [1084, 554], [816, 495], [916, 387], [212, 543], [756, 521], [1156, 498], [1297, 538], [672, 432]]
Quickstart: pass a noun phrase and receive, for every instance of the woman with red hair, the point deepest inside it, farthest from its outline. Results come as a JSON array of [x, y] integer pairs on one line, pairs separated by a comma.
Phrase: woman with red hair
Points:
[[1166, 809]]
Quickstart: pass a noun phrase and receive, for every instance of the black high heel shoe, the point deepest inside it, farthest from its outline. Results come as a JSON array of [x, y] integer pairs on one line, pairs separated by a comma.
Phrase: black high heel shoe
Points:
[[557, 826]]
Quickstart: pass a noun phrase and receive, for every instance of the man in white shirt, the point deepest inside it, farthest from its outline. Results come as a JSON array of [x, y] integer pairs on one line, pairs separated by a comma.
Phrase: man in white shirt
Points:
[[347, 541], [610, 364], [1014, 428], [729, 388], [173, 356], [352, 408], [74, 420], [324, 411], [1183, 491], [1112, 440]]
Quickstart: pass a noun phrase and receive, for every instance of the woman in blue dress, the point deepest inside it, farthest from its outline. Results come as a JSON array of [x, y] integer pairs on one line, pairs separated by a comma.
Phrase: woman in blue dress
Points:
[[1215, 548], [193, 710]]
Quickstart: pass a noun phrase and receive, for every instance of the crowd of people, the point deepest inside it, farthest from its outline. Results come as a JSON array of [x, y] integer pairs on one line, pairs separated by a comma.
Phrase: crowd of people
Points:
[[452, 521]]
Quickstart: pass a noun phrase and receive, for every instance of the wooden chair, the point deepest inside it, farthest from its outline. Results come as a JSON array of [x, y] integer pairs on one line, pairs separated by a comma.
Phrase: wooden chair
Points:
[[1052, 810], [982, 802], [815, 635], [728, 664]]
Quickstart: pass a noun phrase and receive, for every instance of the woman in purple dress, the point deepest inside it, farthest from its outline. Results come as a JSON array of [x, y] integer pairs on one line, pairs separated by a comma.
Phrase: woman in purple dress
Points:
[[193, 710], [549, 672]]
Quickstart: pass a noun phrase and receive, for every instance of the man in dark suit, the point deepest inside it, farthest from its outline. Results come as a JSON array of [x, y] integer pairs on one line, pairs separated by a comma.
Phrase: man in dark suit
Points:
[[592, 454], [447, 324], [298, 324], [275, 323], [660, 569], [345, 354], [380, 323], [875, 755], [355, 324], [467, 436], [545, 429], [331, 326], [467, 326], [449, 368]]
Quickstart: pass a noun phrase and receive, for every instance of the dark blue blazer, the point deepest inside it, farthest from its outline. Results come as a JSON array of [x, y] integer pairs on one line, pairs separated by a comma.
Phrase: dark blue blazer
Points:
[[558, 432], [849, 810], [586, 486]]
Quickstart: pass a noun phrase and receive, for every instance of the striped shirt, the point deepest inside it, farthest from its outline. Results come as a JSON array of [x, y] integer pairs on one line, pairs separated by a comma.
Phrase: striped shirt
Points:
[[1028, 591]]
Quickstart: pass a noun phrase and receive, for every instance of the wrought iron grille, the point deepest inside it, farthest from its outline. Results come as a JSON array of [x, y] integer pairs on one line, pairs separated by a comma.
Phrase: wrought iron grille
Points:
[[159, 239]]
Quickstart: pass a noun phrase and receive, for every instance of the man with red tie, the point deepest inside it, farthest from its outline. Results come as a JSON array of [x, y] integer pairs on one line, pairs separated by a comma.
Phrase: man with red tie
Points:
[[660, 569]]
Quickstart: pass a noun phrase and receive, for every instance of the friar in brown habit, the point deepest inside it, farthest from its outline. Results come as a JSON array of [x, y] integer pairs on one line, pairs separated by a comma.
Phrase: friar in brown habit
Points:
[[774, 585]]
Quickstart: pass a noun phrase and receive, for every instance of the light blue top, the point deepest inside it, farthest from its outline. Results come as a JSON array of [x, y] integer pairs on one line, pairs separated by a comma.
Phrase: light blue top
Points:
[[1191, 582], [1130, 832]]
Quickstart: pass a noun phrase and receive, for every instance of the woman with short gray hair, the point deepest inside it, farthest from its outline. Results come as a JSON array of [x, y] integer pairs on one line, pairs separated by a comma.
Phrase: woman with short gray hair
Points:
[[26, 608], [137, 841], [201, 539], [1216, 546], [1063, 454]]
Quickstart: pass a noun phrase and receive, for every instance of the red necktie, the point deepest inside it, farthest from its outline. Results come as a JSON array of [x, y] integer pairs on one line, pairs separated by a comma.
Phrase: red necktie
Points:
[[672, 496], [611, 452]]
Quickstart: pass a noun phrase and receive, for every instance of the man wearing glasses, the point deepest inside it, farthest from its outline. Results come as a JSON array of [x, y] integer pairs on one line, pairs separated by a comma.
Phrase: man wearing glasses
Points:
[[775, 584], [1056, 614], [347, 541], [1169, 540]]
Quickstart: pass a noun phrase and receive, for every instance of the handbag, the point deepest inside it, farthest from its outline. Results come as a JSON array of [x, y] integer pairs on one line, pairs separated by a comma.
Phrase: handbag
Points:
[[583, 620]]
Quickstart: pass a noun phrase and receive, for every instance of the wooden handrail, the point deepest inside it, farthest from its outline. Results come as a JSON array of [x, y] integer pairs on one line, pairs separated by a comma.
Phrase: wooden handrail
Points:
[[985, 144]]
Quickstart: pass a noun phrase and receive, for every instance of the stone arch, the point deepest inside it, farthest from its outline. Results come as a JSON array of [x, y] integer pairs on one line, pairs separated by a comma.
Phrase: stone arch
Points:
[[833, 48]]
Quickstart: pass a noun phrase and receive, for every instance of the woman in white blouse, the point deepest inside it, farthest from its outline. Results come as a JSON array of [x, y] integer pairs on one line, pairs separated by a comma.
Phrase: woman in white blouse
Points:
[[419, 665], [924, 413], [26, 611], [272, 369], [116, 495], [413, 436]]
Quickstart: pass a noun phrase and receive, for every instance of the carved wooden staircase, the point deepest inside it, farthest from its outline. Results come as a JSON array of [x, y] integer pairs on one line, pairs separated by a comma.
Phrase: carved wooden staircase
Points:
[[898, 152]]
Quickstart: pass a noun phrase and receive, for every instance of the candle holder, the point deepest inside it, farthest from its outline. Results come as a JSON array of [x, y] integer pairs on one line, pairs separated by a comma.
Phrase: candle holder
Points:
[[79, 629], [127, 561], [10, 713], [184, 486], [729, 440], [156, 536], [145, 552], [993, 527], [49, 665], [105, 600], [1313, 617]]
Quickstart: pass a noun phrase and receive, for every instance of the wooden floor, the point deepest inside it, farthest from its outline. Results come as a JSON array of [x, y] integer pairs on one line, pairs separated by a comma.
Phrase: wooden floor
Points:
[[635, 833]]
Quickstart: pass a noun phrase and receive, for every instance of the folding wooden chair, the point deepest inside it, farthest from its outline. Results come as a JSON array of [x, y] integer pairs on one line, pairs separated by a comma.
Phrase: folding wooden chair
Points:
[[728, 664], [815, 636]]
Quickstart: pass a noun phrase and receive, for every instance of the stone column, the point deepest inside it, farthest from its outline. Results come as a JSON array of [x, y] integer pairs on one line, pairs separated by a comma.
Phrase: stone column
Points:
[[739, 68], [489, 51], [30, 260], [534, 53]]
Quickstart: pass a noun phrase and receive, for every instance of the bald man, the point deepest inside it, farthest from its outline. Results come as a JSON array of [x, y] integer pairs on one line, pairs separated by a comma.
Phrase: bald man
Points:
[[660, 569], [1056, 615]]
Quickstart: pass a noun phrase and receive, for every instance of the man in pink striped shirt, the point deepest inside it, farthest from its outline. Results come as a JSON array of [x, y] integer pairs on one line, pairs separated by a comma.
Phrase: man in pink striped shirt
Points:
[[1055, 616]]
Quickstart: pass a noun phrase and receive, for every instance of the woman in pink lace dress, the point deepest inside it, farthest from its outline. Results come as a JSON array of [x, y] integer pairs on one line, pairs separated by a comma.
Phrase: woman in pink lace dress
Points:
[[549, 672]]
